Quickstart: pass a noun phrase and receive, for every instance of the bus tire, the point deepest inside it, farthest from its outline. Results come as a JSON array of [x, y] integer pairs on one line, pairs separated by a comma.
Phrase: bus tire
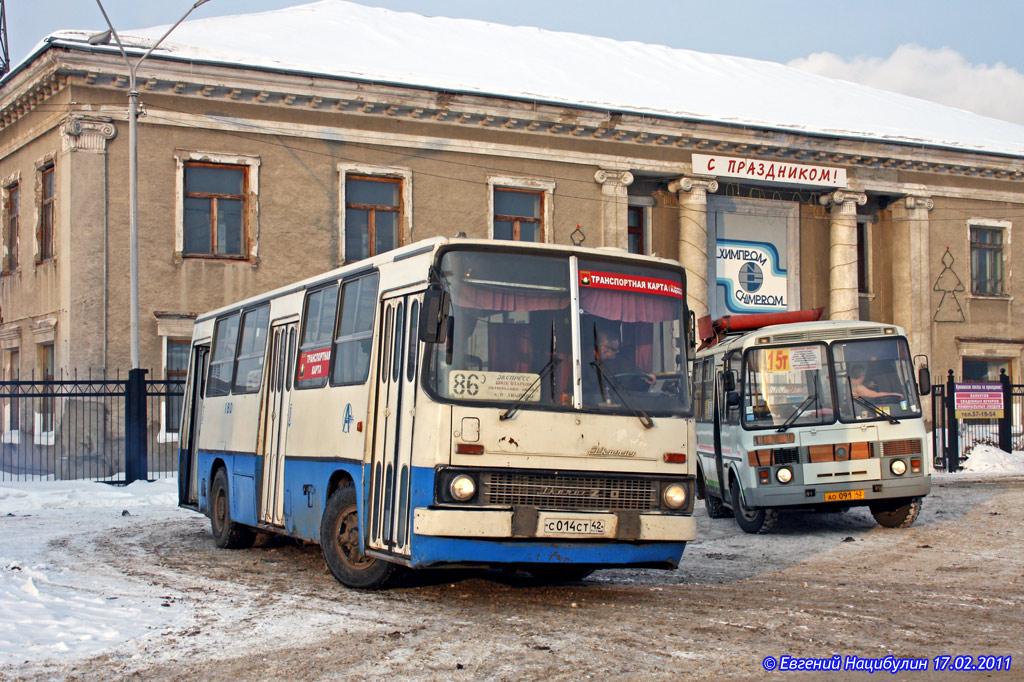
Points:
[[892, 514], [716, 508], [226, 533], [339, 542], [560, 573], [753, 521]]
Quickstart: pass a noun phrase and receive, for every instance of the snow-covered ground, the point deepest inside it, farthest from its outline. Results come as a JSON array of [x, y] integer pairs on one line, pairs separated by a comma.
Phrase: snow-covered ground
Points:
[[64, 611]]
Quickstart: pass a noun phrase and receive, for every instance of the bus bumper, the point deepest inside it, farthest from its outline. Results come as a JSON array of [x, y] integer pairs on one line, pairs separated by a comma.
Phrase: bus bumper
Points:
[[801, 496], [573, 526]]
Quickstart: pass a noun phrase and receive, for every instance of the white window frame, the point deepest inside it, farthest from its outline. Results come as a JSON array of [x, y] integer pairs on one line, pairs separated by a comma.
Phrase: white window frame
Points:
[[532, 185], [992, 224], [184, 156], [405, 215]]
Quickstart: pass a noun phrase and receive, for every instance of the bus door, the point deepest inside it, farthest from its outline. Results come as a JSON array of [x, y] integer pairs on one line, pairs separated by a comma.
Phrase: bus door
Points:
[[191, 418], [274, 420], [388, 524], [719, 408]]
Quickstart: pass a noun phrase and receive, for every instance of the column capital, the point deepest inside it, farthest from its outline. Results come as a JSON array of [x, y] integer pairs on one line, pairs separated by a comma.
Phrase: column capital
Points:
[[696, 185], [914, 202], [614, 178], [844, 200], [82, 133]]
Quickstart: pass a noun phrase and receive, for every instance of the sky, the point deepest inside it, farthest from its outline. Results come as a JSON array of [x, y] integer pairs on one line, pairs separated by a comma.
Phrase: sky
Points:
[[959, 53]]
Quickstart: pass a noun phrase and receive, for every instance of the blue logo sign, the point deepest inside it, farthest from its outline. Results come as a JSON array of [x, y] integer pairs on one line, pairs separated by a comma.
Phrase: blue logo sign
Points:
[[346, 423], [751, 277]]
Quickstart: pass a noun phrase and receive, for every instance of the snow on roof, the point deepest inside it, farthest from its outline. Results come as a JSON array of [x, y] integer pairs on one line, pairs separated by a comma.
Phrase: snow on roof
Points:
[[346, 40]]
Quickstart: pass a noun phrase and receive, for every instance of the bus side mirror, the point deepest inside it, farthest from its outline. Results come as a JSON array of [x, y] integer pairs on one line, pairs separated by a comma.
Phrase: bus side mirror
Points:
[[434, 315], [924, 381], [732, 399], [729, 381]]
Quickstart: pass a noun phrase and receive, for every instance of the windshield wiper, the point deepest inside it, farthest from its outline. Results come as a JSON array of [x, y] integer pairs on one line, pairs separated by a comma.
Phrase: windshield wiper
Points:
[[619, 391], [547, 369], [800, 409], [879, 411]]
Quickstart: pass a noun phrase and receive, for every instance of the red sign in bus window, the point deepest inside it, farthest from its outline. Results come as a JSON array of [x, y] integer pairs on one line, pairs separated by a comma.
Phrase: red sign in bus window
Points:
[[631, 283], [314, 364]]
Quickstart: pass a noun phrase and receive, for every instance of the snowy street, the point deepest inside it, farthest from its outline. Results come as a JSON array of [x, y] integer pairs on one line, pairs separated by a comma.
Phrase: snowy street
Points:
[[102, 583]]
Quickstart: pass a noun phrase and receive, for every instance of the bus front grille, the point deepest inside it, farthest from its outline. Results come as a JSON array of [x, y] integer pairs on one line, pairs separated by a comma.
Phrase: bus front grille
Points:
[[570, 492]]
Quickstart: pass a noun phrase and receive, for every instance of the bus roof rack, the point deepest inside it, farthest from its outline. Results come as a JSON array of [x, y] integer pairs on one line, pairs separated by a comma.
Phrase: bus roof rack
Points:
[[713, 331]]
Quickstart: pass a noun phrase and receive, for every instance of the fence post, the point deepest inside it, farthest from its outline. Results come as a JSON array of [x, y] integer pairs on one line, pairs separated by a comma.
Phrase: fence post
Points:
[[952, 437], [136, 456], [1006, 421]]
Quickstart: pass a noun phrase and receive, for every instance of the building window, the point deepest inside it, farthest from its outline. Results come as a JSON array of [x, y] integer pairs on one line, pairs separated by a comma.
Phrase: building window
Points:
[[987, 261], [46, 212], [518, 214], [175, 369], [635, 229], [863, 258], [11, 416], [981, 369], [12, 201], [215, 211], [44, 420], [373, 210]]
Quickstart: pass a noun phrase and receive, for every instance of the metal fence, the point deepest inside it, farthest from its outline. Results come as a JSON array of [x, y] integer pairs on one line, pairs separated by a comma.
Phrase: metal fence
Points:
[[76, 427], [953, 437]]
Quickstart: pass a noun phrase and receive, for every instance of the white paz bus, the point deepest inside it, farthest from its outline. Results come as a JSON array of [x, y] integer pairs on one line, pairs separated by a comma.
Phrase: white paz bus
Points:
[[793, 413], [451, 403]]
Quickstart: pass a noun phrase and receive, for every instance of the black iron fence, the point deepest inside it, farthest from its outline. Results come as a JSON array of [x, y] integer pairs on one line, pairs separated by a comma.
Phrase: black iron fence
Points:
[[118, 429], [954, 437]]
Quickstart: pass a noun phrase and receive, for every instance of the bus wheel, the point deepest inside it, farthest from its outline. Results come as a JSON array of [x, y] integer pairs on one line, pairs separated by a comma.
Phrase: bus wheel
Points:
[[754, 521], [226, 533], [892, 514], [716, 508], [560, 573], [339, 542]]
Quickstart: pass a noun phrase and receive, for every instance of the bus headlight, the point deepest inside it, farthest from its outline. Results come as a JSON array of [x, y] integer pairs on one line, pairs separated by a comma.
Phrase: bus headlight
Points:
[[784, 475], [898, 467], [462, 487], [674, 496]]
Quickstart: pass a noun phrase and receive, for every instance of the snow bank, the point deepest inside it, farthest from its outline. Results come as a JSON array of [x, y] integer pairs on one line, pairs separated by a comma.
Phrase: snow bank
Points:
[[985, 459], [52, 611]]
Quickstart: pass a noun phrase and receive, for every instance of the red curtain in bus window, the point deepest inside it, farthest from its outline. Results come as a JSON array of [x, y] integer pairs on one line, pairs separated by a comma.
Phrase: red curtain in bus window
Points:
[[641, 338], [505, 299], [627, 307], [508, 347]]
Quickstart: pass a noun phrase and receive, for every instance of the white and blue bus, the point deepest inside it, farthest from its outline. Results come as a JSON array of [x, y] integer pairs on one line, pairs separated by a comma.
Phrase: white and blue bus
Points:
[[451, 403], [795, 413]]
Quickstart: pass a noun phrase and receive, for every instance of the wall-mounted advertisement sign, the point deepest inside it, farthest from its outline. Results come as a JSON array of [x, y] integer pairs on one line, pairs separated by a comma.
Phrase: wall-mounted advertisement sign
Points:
[[768, 171], [750, 274]]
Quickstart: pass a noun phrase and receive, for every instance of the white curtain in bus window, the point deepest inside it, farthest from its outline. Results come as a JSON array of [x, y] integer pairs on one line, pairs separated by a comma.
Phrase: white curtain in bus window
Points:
[[317, 330], [251, 350], [355, 330], [225, 340], [510, 337]]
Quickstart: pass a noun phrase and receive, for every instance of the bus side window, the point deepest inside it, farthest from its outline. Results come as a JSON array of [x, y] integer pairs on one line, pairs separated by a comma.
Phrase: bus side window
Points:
[[225, 340], [252, 350], [351, 357], [732, 362], [315, 346]]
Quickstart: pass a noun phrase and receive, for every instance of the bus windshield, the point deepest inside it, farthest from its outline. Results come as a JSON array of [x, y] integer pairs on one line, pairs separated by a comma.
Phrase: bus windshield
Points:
[[787, 386], [875, 380], [510, 337]]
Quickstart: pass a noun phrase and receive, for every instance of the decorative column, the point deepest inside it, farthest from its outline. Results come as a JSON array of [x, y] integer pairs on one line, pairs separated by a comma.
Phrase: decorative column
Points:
[[693, 237], [911, 288], [843, 303], [614, 206], [82, 242]]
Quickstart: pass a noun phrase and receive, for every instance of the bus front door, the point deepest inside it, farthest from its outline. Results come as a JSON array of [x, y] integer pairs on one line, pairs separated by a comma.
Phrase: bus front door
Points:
[[388, 524], [274, 420], [719, 407]]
